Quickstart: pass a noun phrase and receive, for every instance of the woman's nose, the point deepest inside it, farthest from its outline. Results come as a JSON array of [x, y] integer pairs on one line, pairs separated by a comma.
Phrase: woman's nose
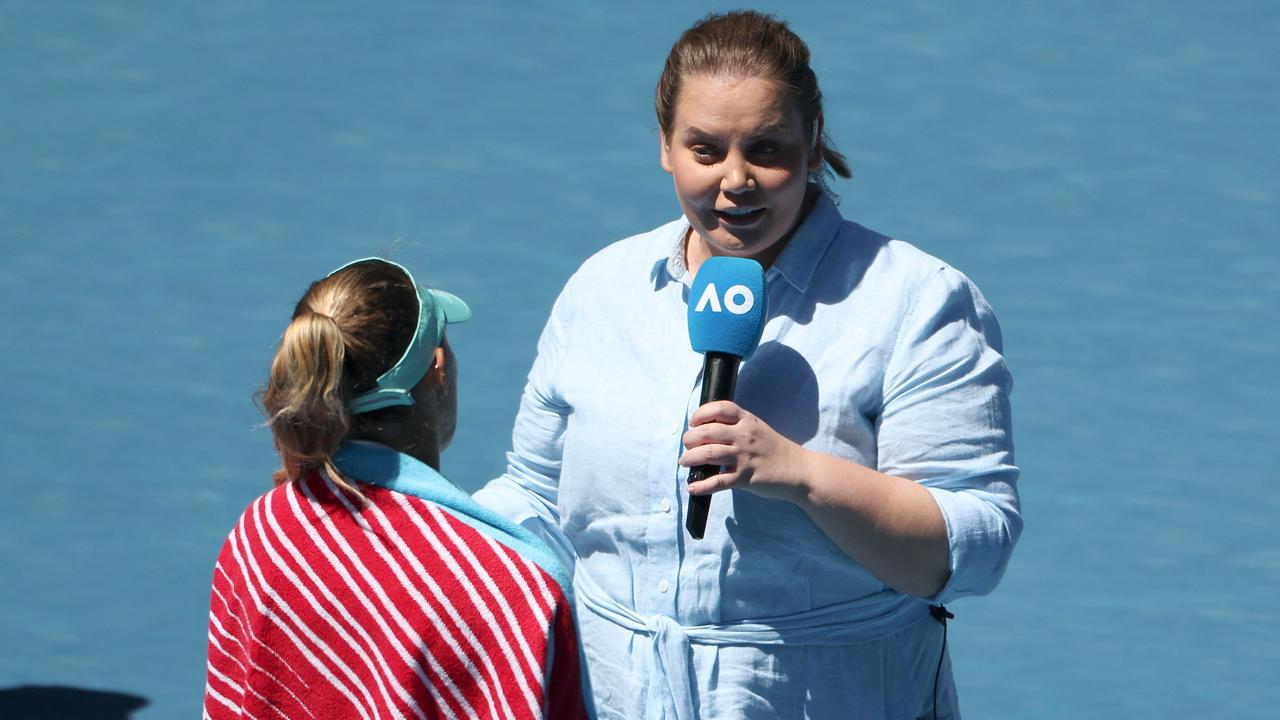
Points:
[[737, 177]]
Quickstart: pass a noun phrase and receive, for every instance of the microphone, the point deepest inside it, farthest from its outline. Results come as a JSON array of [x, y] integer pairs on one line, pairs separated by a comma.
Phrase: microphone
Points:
[[727, 309]]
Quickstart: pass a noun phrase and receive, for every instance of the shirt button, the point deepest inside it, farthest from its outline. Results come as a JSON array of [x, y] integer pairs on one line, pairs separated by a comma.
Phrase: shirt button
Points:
[[663, 585], [665, 505]]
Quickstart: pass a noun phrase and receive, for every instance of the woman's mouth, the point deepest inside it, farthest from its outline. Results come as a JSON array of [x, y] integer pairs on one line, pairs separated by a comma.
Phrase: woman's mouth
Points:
[[739, 216]]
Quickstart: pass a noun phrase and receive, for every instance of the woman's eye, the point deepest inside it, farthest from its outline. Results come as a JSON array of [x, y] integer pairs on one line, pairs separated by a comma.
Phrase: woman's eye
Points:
[[765, 148], [704, 152]]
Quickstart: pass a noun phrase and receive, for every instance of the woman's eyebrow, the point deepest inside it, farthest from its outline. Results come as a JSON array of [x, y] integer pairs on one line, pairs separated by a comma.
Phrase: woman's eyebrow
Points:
[[779, 127], [696, 133]]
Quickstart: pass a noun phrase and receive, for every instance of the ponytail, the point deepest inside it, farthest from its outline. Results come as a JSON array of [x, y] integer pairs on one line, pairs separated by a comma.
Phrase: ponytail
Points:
[[306, 400], [834, 160]]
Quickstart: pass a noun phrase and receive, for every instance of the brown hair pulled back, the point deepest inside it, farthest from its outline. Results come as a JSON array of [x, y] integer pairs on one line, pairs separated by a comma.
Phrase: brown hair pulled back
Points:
[[749, 44], [347, 330]]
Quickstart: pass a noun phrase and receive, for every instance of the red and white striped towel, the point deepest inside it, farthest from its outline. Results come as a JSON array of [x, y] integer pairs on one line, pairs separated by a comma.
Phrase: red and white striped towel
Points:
[[395, 610]]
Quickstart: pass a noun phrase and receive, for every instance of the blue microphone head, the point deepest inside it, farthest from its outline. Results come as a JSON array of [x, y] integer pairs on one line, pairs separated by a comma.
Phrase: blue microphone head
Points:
[[727, 306]]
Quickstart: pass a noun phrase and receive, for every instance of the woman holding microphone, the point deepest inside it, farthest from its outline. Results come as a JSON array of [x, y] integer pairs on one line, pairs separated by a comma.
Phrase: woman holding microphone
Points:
[[868, 460]]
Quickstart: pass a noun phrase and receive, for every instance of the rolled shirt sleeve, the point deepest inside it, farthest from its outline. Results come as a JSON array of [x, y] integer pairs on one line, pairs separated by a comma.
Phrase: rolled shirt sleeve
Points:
[[946, 424]]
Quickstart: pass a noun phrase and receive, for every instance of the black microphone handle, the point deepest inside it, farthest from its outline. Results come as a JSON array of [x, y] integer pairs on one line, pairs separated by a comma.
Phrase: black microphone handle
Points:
[[719, 377]]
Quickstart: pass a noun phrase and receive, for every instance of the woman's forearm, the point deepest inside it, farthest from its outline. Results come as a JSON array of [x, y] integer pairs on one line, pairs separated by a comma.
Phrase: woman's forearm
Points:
[[890, 525]]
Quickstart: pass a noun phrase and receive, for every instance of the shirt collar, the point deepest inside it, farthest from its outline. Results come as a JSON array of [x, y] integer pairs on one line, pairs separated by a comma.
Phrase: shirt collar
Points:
[[798, 260], [676, 266]]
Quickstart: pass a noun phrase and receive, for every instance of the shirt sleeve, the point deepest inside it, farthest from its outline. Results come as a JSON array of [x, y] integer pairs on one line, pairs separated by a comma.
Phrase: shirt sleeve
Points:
[[946, 424], [527, 493]]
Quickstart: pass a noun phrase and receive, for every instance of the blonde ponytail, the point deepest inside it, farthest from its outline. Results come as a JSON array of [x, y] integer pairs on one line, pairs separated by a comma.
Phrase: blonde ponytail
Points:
[[304, 395], [346, 330]]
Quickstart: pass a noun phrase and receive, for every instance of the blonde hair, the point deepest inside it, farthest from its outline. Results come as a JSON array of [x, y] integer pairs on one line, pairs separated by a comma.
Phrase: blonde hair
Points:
[[348, 329], [749, 44]]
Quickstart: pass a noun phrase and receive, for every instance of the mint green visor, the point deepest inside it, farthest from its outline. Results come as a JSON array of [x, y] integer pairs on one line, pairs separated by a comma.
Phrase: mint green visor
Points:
[[436, 309]]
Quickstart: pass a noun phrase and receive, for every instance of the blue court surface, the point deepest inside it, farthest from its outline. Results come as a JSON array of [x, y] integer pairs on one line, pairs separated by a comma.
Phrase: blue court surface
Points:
[[173, 174]]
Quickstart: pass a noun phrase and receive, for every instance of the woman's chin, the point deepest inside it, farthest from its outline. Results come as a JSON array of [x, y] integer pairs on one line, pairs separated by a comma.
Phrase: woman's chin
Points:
[[739, 244]]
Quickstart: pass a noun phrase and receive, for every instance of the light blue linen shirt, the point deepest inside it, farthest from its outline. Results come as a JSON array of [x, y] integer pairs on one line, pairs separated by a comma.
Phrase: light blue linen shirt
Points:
[[873, 351]]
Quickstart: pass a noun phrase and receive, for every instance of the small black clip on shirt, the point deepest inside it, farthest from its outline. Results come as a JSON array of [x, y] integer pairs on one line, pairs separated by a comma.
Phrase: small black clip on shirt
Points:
[[941, 614]]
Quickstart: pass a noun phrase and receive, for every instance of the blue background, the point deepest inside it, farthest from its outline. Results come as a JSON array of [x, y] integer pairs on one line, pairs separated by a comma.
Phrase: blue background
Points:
[[173, 174]]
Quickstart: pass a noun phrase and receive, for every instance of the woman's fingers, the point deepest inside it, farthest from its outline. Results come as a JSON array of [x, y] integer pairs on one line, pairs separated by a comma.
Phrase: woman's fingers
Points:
[[710, 434], [716, 422], [715, 483], [754, 456], [719, 411], [709, 454]]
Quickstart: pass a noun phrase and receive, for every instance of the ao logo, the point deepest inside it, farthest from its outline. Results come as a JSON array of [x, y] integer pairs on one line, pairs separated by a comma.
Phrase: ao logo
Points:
[[737, 300]]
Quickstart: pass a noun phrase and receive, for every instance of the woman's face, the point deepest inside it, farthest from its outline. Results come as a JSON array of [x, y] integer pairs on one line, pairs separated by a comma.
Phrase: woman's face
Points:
[[740, 157]]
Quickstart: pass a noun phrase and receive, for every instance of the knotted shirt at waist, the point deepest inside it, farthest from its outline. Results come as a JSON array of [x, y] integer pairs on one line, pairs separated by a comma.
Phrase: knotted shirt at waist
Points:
[[670, 676]]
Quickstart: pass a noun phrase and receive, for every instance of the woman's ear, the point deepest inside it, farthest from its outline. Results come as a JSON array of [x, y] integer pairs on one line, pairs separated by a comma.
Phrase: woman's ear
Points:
[[437, 374], [665, 151]]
